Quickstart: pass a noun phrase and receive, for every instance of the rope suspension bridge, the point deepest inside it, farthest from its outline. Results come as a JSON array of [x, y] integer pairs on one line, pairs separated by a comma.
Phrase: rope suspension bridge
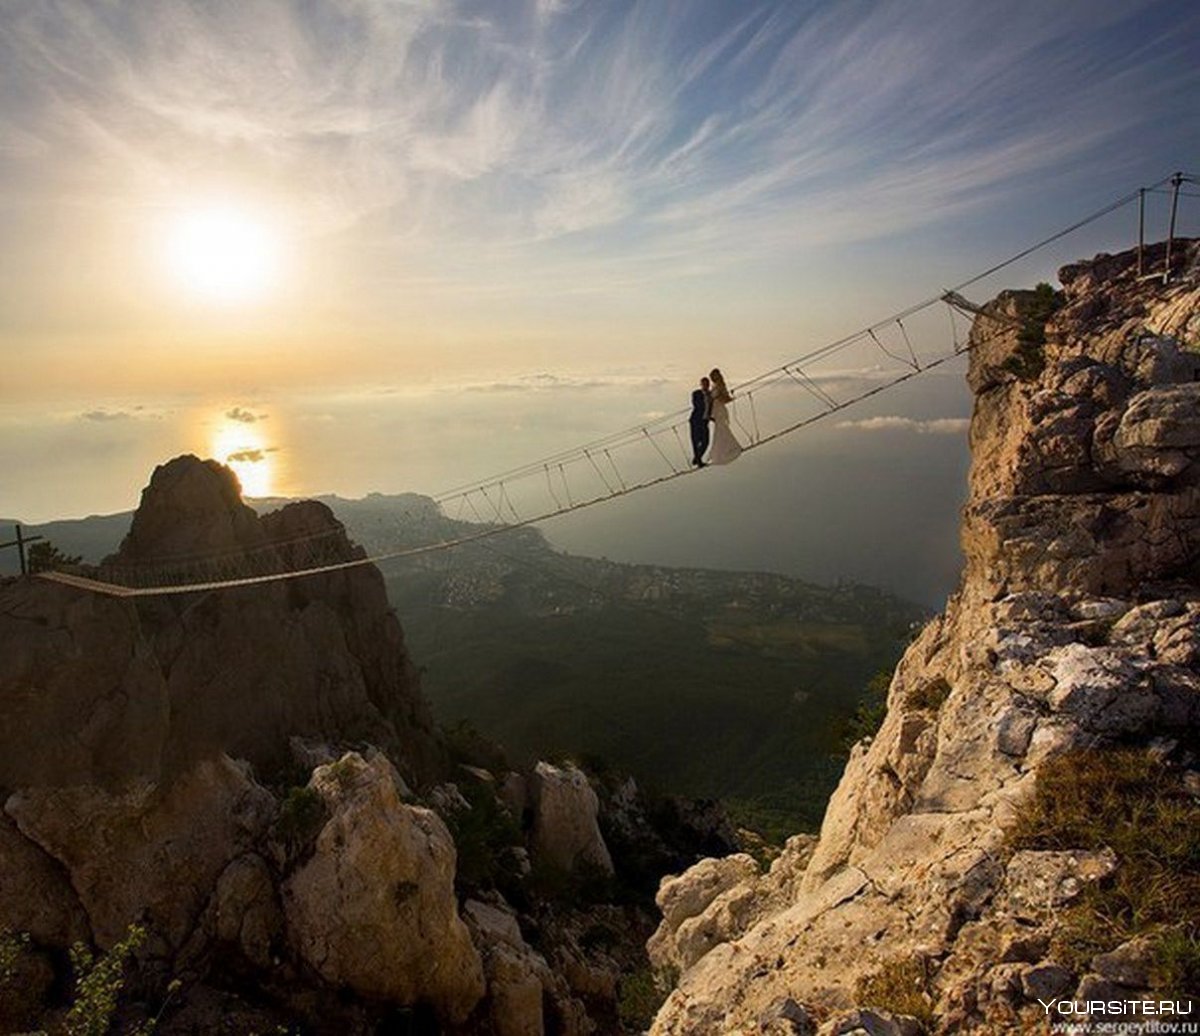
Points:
[[778, 403]]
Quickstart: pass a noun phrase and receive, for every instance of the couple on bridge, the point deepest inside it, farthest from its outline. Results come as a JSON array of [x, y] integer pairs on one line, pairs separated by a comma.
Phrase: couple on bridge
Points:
[[710, 402]]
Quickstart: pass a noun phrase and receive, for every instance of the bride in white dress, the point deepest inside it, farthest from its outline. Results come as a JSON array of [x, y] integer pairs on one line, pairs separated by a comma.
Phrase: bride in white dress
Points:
[[725, 447]]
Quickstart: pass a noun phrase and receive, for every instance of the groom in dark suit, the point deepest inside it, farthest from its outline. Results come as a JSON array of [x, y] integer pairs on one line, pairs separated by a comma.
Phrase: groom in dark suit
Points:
[[698, 422]]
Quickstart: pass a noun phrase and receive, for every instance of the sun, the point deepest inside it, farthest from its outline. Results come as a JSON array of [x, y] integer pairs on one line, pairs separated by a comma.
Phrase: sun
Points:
[[222, 254], [244, 449]]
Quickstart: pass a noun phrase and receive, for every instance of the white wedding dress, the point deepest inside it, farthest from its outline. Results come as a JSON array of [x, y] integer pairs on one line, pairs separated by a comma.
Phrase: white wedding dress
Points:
[[725, 447]]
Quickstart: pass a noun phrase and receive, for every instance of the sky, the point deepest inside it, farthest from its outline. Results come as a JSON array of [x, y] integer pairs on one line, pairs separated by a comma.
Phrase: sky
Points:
[[377, 245]]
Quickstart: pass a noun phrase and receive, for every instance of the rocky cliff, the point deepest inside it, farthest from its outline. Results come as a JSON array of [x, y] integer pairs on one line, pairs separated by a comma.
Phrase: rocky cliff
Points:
[[99, 690], [237, 803], [989, 851]]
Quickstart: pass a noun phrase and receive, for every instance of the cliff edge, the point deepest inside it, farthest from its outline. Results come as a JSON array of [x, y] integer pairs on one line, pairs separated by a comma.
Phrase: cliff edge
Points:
[[102, 690], [958, 884]]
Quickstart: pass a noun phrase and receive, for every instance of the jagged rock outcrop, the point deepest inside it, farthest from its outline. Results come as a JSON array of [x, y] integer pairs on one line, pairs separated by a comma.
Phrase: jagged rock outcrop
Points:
[[1076, 626], [373, 909], [149, 852], [717, 900], [566, 833], [521, 984], [147, 689], [82, 695]]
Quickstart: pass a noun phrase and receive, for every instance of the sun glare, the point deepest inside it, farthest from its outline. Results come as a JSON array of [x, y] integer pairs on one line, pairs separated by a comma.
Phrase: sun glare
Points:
[[245, 450], [222, 254]]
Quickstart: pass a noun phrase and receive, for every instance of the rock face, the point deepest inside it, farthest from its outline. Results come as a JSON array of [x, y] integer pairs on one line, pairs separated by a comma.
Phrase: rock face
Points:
[[148, 852], [373, 909], [565, 829], [237, 774], [1077, 625], [167, 681]]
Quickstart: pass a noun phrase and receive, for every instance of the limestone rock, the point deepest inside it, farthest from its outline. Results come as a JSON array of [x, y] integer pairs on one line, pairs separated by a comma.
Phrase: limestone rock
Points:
[[190, 507], [82, 697], [147, 853], [373, 908], [565, 828], [36, 897], [1076, 626], [865, 1022], [1038, 883], [148, 689], [246, 911], [519, 980]]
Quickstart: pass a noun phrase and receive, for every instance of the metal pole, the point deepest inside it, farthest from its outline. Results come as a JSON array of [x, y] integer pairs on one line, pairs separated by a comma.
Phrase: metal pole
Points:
[[21, 550], [1141, 226], [1176, 180]]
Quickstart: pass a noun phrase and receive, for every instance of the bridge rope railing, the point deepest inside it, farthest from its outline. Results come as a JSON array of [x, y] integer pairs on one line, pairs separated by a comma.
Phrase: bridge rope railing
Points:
[[795, 395]]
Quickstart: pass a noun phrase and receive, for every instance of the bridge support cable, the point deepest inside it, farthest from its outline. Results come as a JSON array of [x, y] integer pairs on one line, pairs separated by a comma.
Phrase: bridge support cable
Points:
[[825, 381]]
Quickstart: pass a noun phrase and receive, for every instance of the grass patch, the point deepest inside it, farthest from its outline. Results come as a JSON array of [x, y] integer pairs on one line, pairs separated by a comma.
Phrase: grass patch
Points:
[[639, 999], [929, 696], [1127, 801], [1029, 359], [901, 986], [484, 836], [1177, 960], [302, 814]]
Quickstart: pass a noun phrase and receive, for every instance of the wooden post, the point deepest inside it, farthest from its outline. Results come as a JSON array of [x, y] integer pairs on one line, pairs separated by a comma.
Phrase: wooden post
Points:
[[19, 543], [1176, 180], [1141, 226]]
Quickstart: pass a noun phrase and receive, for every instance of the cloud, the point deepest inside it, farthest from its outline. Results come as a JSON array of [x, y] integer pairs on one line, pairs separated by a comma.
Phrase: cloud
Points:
[[591, 146], [931, 426], [107, 415], [546, 382], [244, 416], [250, 456]]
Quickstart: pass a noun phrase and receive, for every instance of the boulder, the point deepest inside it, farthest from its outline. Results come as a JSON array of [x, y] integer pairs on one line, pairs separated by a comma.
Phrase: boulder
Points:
[[566, 833], [36, 897], [1039, 882], [373, 909], [147, 853], [518, 978]]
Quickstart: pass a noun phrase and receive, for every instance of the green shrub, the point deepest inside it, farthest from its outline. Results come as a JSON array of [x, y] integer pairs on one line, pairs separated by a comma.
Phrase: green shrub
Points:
[[638, 999], [44, 556], [1029, 359], [868, 717], [98, 985], [302, 814], [483, 836], [343, 773]]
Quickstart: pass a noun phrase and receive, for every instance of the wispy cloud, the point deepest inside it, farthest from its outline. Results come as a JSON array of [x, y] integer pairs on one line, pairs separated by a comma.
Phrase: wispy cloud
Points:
[[250, 455], [545, 382], [244, 416], [932, 426], [106, 415], [590, 143]]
